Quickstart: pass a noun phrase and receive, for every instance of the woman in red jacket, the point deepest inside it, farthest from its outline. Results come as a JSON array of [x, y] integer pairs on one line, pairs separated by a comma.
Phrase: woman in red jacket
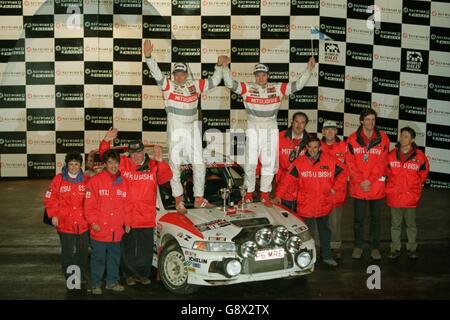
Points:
[[407, 171], [105, 212], [317, 175], [64, 202]]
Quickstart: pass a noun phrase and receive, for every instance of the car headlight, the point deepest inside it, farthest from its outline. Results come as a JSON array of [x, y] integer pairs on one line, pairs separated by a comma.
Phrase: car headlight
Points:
[[280, 235], [248, 249], [303, 259], [263, 237], [214, 246], [232, 267], [293, 244]]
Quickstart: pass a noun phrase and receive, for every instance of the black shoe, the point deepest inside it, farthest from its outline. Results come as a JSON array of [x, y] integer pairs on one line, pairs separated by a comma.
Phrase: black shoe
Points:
[[394, 254], [412, 254]]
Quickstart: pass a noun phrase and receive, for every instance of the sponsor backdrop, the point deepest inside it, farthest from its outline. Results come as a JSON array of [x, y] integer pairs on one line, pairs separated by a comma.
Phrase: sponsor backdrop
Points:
[[71, 69]]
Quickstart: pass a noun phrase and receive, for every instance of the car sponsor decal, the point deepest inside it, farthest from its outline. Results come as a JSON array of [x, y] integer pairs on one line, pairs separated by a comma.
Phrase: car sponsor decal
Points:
[[300, 229], [211, 225], [185, 237], [217, 238], [181, 221]]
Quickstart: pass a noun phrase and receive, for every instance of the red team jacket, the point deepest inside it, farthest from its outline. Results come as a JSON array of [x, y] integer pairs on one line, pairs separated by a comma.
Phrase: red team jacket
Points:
[[367, 162], [142, 187], [286, 146], [405, 179], [314, 180], [105, 206], [65, 200], [338, 151]]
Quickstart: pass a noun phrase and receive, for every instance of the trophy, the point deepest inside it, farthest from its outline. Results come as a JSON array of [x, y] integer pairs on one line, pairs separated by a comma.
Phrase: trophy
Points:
[[225, 193], [243, 190]]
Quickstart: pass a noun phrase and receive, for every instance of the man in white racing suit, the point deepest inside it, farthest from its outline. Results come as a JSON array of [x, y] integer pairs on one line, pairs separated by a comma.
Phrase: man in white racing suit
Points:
[[183, 133], [262, 100]]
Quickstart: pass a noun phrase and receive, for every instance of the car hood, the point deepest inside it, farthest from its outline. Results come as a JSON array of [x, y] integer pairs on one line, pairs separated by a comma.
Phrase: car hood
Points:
[[215, 223]]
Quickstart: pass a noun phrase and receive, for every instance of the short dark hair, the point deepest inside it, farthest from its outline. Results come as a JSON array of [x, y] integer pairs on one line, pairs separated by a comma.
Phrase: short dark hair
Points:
[[366, 112], [111, 154], [300, 114], [411, 131], [313, 139], [73, 156]]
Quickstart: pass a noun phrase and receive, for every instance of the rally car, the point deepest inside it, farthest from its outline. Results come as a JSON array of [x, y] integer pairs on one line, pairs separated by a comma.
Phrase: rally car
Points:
[[230, 243]]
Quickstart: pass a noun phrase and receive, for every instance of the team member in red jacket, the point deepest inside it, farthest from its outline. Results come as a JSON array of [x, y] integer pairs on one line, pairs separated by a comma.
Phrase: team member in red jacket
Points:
[[408, 169], [317, 176], [335, 147], [64, 202], [366, 159], [291, 145], [105, 212], [143, 174]]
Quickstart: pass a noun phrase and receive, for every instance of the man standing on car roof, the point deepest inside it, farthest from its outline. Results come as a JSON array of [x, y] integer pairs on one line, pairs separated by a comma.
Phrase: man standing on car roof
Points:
[[262, 100], [183, 134], [143, 174]]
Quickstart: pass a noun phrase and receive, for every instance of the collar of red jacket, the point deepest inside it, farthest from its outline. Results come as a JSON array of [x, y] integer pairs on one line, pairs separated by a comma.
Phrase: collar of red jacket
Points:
[[405, 157], [374, 141]]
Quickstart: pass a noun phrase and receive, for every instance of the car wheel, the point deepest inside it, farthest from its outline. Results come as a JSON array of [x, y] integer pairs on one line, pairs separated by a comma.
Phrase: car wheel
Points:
[[173, 271]]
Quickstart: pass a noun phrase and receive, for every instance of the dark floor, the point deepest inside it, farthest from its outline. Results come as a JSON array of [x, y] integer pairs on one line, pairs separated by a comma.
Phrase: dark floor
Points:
[[29, 259]]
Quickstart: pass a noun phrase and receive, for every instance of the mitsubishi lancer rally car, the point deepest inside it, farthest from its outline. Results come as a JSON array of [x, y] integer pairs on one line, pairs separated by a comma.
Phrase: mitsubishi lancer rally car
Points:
[[227, 244]]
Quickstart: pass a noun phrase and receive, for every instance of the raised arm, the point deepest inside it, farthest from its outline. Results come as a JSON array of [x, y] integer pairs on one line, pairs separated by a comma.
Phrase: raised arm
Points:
[[233, 85], [161, 79], [298, 84]]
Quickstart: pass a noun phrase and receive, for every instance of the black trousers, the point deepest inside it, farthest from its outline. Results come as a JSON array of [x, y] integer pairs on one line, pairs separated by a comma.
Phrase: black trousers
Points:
[[137, 252], [375, 221], [74, 251]]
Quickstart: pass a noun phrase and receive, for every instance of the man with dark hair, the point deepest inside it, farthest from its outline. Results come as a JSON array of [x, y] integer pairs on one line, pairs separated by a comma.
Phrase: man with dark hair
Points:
[[408, 169], [316, 176], [143, 173], [106, 215], [366, 158], [262, 100], [292, 144]]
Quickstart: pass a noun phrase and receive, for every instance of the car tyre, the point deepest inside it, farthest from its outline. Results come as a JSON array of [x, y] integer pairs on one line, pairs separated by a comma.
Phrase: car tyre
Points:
[[173, 271]]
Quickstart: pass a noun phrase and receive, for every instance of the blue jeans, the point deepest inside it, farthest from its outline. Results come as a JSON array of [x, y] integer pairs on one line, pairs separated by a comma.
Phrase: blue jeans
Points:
[[324, 230], [292, 205], [105, 255]]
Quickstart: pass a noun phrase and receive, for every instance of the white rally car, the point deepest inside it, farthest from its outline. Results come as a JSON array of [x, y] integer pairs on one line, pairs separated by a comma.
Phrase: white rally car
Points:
[[227, 244], [210, 247]]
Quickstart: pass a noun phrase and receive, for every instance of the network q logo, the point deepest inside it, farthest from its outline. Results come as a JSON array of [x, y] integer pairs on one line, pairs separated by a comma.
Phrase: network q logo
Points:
[[349, 52], [347, 100], [264, 26], [30, 163], [431, 85], [204, 73], [375, 79], [88, 117], [294, 2], [320, 120], [59, 141], [234, 2], [87, 24], [433, 37], [293, 49], [58, 48], [321, 73], [29, 71], [1, 95], [234, 49], [174, 2], [405, 10], [175, 49], [145, 118], [402, 106], [87, 71], [2, 141], [146, 72], [116, 94], [429, 133], [116, 1], [205, 26], [116, 48], [30, 118], [58, 94], [205, 120], [116, 140]]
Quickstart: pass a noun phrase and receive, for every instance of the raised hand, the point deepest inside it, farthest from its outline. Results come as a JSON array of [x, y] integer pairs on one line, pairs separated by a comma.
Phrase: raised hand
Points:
[[148, 48], [157, 153], [111, 134], [311, 63]]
